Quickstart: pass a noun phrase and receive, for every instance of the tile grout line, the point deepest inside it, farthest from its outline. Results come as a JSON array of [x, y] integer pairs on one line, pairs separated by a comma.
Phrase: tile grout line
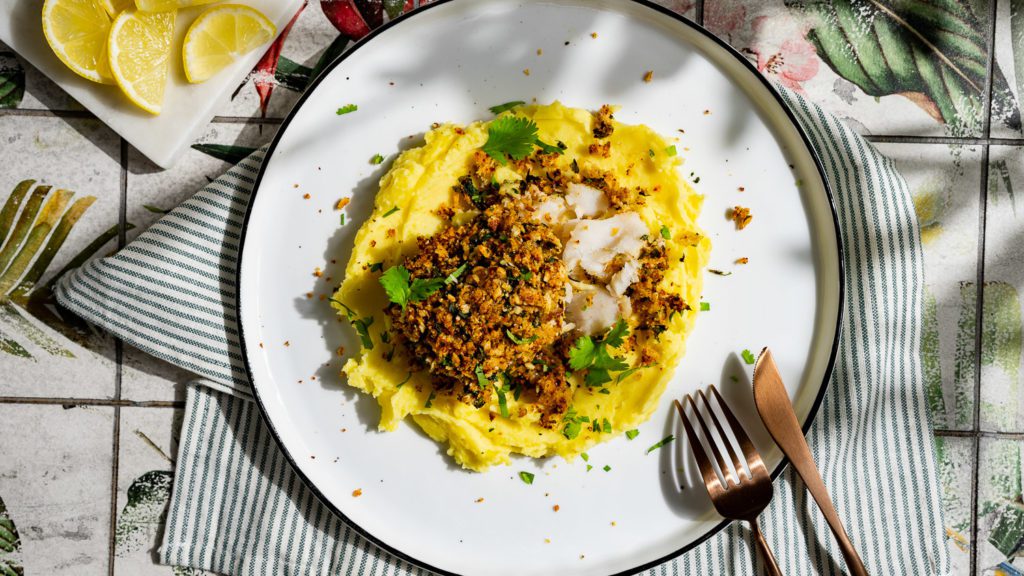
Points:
[[73, 402], [979, 291], [118, 373], [948, 140]]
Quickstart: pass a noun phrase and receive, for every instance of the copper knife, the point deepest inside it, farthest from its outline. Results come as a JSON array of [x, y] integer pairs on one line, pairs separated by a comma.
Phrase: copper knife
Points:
[[776, 411]]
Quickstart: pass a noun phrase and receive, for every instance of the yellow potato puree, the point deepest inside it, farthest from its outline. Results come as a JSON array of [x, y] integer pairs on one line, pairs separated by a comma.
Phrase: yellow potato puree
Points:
[[420, 183]]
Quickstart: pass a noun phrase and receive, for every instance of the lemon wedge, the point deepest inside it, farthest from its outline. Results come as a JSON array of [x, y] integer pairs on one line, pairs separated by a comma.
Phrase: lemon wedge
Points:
[[77, 30], [139, 48], [220, 35], [115, 7], [165, 5]]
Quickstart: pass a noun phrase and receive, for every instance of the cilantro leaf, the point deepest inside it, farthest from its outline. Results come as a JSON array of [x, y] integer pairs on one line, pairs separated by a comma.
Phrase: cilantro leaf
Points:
[[376, 159], [582, 354], [705, 306], [617, 335], [572, 429], [502, 402], [362, 326], [390, 212], [665, 232], [671, 150], [401, 291], [510, 136], [748, 357], [596, 377], [632, 433], [606, 426], [395, 281], [627, 373], [526, 477], [430, 399], [347, 108], [506, 106]]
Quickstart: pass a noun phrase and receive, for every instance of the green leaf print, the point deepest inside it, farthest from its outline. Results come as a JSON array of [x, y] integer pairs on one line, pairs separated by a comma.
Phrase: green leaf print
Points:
[[1000, 353], [292, 75], [933, 52], [998, 181], [1017, 41], [333, 51], [35, 221], [1001, 506], [12, 81], [930, 364], [10, 545], [225, 152], [963, 357], [145, 511]]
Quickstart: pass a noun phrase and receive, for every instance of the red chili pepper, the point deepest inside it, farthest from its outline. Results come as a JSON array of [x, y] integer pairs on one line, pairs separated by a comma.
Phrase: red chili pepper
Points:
[[263, 73]]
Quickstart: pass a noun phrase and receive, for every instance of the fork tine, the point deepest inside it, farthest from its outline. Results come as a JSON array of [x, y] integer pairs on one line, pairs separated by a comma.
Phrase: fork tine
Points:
[[749, 452], [726, 472], [737, 466], [707, 470]]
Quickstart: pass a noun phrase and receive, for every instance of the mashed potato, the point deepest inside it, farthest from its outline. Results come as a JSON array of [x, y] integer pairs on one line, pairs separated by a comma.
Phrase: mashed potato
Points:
[[606, 240]]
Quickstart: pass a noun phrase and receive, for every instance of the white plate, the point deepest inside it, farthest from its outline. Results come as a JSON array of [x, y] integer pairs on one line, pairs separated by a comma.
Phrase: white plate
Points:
[[187, 107], [449, 63]]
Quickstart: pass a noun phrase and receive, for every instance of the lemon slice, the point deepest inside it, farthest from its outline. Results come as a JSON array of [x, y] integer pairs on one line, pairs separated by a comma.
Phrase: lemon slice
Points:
[[77, 30], [140, 55], [220, 35], [165, 5], [115, 7]]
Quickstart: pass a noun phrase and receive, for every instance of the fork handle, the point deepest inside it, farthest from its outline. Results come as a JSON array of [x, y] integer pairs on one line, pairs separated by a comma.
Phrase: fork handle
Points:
[[771, 567]]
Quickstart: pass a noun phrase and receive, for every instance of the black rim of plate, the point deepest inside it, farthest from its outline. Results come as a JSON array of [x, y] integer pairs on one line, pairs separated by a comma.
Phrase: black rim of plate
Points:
[[401, 19]]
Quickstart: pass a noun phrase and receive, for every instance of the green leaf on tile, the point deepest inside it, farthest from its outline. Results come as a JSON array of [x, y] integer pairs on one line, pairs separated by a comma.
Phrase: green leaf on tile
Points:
[[1001, 348], [12, 80], [226, 152], [930, 363], [933, 52], [34, 223], [144, 512], [10, 545], [963, 357], [292, 75], [1000, 494], [999, 180], [1017, 42]]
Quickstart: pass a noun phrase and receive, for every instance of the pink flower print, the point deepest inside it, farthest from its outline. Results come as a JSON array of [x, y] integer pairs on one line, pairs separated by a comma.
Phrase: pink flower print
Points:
[[787, 56], [723, 18]]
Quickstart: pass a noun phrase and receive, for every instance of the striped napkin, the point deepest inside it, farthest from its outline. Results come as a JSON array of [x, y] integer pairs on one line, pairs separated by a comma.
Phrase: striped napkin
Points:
[[239, 509]]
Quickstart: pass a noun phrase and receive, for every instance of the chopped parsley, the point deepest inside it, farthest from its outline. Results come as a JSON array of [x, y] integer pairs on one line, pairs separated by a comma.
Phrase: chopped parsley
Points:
[[361, 325], [719, 272], [515, 137], [519, 341], [705, 306], [347, 108], [377, 159], [605, 390], [526, 477], [548, 148], [650, 152], [666, 440], [606, 426], [665, 232], [573, 423], [589, 467], [671, 150], [748, 357], [430, 399], [376, 267], [595, 358], [607, 468], [390, 212], [454, 276], [401, 291], [575, 166], [622, 376], [342, 219], [632, 433], [525, 276], [585, 456], [506, 106]]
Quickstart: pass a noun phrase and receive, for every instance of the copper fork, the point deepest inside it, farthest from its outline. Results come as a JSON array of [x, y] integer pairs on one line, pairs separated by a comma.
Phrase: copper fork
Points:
[[740, 498]]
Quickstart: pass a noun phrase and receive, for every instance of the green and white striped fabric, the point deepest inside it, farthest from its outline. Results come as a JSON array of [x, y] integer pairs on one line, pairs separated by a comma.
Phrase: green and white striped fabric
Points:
[[239, 509]]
